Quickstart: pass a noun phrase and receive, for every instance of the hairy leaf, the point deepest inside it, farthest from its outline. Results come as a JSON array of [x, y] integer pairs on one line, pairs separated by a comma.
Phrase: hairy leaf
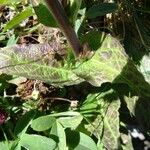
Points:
[[106, 64], [40, 62], [36, 62], [111, 131], [106, 124]]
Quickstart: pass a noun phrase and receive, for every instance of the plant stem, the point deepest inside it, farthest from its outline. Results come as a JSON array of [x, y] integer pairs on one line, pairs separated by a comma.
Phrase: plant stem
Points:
[[59, 14]]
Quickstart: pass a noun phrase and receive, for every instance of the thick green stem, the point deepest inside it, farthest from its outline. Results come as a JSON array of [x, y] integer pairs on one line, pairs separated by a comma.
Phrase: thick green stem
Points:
[[59, 14]]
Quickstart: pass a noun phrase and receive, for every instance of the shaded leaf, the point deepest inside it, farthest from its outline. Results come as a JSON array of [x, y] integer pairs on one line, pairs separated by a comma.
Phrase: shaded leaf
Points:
[[58, 130], [74, 8], [24, 123], [44, 15], [101, 10], [43, 123], [19, 18], [79, 141], [38, 142], [136, 81]]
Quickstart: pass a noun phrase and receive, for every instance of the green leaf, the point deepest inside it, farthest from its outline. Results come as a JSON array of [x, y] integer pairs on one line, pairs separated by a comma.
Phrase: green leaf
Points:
[[38, 142], [134, 78], [131, 103], [12, 40], [66, 114], [43, 123], [58, 130], [24, 123], [145, 67], [79, 141], [111, 132], [71, 122], [74, 8], [19, 18], [4, 146], [44, 15], [101, 10], [37, 62], [105, 124], [94, 39], [106, 64], [7, 2]]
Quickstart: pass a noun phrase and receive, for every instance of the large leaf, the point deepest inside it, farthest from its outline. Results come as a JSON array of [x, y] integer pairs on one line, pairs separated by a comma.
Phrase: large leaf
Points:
[[111, 131], [19, 18], [37, 142], [105, 125], [106, 64], [101, 10], [43, 123], [44, 15], [39, 62], [58, 130], [79, 141], [36, 62]]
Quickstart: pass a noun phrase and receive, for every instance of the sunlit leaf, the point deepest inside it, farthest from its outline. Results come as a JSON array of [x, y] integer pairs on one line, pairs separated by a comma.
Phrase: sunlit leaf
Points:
[[37, 62], [19, 18], [131, 103], [43, 123], [71, 122], [145, 67], [38, 142], [6, 2], [106, 64]]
